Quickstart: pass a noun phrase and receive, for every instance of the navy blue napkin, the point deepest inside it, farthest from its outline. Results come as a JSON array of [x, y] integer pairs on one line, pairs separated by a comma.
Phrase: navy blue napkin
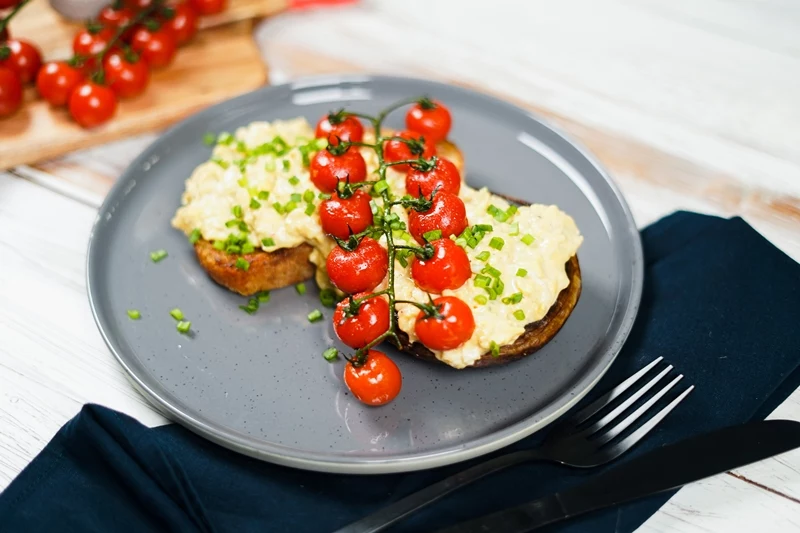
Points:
[[720, 303]]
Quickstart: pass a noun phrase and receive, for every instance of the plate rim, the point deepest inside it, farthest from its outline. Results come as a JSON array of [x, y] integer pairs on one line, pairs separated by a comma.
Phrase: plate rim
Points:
[[379, 465]]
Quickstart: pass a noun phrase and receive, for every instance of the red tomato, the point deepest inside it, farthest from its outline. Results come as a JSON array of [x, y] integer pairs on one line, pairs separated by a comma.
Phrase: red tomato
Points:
[[341, 216], [91, 104], [157, 47], [24, 59], [126, 78], [430, 119], [112, 17], [447, 214], [448, 268], [87, 44], [451, 329], [377, 382], [370, 322], [396, 150], [347, 128], [56, 81], [208, 7], [360, 270], [443, 177], [183, 24], [10, 92], [5, 4], [327, 169], [138, 5]]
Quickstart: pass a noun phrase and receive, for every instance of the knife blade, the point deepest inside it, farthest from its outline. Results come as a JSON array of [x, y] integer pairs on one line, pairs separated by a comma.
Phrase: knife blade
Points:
[[666, 468]]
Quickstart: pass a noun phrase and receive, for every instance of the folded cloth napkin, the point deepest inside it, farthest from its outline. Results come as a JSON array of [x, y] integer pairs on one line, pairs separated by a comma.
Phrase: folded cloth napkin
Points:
[[720, 303]]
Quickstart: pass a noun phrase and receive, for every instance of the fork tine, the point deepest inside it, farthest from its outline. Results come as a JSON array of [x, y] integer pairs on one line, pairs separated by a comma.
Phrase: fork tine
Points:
[[634, 416], [611, 395], [617, 449]]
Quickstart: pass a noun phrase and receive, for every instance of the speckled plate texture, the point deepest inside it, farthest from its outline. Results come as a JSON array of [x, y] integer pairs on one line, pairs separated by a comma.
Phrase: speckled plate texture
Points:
[[259, 385]]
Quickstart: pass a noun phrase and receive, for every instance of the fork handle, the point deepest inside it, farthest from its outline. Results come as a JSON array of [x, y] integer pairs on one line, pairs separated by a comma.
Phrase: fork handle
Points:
[[400, 509]]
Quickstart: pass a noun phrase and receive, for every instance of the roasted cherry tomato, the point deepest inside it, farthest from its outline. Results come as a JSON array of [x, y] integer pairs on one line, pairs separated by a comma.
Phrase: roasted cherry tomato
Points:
[[183, 23], [347, 128], [6, 4], [443, 177], [91, 104], [396, 150], [115, 17], [430, 119], [360, 270], [24, 59], [332, 165], [448, 268], [157, 47], [56, 82], [87, 44], [127, 76], [10, 92], [450, 328], [341, 217], [377, 382], [369, 322], [447, 213], [208, 7]]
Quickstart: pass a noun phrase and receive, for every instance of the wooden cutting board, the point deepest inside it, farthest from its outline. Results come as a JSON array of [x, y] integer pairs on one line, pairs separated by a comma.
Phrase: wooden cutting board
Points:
[[222, 61]]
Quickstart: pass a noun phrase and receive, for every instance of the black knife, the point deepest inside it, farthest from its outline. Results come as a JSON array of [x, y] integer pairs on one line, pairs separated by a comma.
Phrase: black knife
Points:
[[666, 468]]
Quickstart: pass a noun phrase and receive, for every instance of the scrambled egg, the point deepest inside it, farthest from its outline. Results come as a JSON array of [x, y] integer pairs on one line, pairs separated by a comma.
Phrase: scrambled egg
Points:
[[537, 240]]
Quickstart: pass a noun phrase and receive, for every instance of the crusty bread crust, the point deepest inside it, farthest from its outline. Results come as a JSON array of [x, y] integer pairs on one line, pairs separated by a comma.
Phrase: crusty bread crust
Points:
[[536, 335]]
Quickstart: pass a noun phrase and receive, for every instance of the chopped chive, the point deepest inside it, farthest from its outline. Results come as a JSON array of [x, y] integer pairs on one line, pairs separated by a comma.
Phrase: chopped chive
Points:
[[231, 223], [527, 239], [267, 242], [432, 235], [263, 195], [498, 285], [237, 211], [252, 305], [176, 313], [521, 273], [331, 354], [269, 166], [224, 138], [248, 248], [488, 269], [513, 299], [511, 210], [519, 314], [483, 256], [380, 186], [183, 327], [134, 314], [495, 349], [497, 243], [243, 226], [472, 242], [308, 196], [492, 209], [194, 236], [315, 316], [220, 162], [242, 237], [296, 197], [492, 293], [300, 288], [252, 191], [461, 241], [324, 196], [241, 146], [158, 255], [482, 281], [289, 206], [327, 297], [287, 165], [242, 264], [482, 227], [219, 245], [401, 256], [209, 139], [233, 249], [310, 209], [254, 204], [514, 231], [479, 236], [294, 180], [498, 214], [242, 182], [481, 299], [263, 297], [278, 207]]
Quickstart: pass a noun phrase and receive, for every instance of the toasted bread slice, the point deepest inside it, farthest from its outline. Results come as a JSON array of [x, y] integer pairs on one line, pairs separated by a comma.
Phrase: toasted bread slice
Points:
[[536, 335]]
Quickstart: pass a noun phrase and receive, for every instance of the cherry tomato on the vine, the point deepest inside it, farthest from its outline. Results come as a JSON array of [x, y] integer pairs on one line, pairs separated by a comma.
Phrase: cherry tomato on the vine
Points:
[[10, 92], [341, 216], [370, 321], [452, 328], [448, 268], [87, 44], [377, 382], [443, 177], [183, 23], [4, 35], [347, 128], [360, 270], [115, 17], [23, 58], [91, 104], [56, 81], [447, 213], [327, 168], [397, 150], [157, 47], [138, 5], [430, 119], [209, 7], [126, 76]]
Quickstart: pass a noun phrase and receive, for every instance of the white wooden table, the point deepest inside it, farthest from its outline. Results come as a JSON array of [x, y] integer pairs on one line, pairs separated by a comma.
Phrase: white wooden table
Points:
[[690, 103]]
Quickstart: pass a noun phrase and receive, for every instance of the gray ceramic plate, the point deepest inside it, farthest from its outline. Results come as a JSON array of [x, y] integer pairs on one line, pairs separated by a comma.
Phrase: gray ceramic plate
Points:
[[258, 384]]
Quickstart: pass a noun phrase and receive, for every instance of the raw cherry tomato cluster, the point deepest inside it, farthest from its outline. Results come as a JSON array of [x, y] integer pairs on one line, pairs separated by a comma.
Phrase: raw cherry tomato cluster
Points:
[[113, 56], [360, 263]]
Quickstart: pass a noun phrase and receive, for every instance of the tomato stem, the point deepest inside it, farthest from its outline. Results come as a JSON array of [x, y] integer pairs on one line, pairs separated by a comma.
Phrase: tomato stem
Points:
[[5, 20]]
